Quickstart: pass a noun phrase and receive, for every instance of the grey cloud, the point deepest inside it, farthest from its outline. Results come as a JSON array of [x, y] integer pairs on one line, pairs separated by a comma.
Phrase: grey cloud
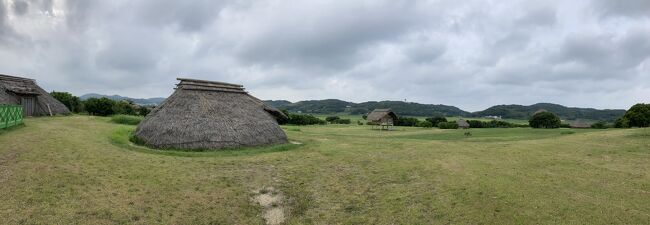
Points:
[[631, 8], [429, 51], [20, 7], [188, 16]]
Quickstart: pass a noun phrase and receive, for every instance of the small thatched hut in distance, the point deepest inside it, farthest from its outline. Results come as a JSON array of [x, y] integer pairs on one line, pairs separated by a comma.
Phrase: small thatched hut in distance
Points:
[[462, 124], [384, 118], [211, 115], [25, 92]]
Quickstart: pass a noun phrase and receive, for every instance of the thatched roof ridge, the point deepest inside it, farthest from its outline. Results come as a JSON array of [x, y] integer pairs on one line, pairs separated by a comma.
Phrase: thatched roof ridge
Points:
[[13, 88], [462, 123], [211, 115], [377, 114]]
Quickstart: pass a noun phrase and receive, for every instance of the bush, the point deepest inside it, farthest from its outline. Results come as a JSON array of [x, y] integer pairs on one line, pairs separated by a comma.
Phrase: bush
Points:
[[545, 120], [425, 124], [71, 102], [491, 124], [343, 121], [359, 123], [448, 125], [435, 120], [331, 119], [304, 119], [599, 125], [127, 119], [407, 122], [99, 106]]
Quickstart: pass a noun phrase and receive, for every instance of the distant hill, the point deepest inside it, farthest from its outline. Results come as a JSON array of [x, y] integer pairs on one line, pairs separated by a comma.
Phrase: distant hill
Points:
[[329, 106], [567, 113], [139, 101]]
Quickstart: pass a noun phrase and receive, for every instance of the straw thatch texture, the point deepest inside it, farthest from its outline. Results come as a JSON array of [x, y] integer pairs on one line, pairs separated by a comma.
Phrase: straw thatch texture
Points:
[[13, 89], [210, 115], [462, 124], [382, 116]]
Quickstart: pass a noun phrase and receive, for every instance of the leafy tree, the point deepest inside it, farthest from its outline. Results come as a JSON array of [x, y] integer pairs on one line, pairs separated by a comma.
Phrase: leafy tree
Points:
[[545, 120], [638, 115], [622, 123], [144, 111], [124, 108], [73, 103], [99, 106], [436, 119]]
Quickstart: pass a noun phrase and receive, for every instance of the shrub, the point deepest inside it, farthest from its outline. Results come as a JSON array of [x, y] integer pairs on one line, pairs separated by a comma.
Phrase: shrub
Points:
[[359, 123], [599, 125], [425, 124], [127, 119], [492, 124], [99, 106], [544, 120], [304, 119], [343, 121], [407, 122], [331, 119], [448, 125], [435, 120]]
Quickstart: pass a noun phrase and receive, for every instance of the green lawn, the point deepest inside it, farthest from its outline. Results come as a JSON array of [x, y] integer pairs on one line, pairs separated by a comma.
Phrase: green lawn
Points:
[[83, 170]]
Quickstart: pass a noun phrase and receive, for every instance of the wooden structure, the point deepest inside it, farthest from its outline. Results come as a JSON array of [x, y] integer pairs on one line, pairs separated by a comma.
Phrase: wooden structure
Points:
[[10, 115], [382, 119], [462, 124], [211, 115], [34, 100]]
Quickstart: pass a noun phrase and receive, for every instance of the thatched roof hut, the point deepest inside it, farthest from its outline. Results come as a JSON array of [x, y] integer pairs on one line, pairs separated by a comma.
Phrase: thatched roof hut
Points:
[[462, 124], [25, 92], [211, 115], [382, 117]]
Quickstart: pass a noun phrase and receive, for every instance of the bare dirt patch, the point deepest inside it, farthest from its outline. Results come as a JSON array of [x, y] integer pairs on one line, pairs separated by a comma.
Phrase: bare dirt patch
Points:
[[272, 202]]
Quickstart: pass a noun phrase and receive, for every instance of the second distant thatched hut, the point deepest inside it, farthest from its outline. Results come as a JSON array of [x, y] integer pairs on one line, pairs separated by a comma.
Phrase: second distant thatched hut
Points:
[[383, 118], [211, 115]]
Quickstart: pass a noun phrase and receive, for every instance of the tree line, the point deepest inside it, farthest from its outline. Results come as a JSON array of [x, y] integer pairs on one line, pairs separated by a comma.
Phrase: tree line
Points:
[[100, 106]]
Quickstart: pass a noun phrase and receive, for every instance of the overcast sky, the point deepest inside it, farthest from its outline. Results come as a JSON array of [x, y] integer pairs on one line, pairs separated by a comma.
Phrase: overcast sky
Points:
[[470, 54]]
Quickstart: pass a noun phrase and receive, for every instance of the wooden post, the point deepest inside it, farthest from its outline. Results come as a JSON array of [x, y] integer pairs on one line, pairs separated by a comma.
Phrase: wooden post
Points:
[[49, 109]]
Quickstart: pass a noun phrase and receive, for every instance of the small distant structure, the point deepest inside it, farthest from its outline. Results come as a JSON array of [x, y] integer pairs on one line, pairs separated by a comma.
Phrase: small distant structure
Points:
[[580, 124], [382, 118], [462, 124], [34, 100]]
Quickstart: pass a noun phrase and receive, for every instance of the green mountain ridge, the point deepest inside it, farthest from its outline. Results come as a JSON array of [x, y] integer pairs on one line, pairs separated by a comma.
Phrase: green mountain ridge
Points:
[[332, 106]]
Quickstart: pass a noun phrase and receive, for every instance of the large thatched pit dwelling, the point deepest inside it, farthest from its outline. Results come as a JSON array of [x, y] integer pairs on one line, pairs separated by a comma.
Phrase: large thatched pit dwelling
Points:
[[211, 115], [25, 92]]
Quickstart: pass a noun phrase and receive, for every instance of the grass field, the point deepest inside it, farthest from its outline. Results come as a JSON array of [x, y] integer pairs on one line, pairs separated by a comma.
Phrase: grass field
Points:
[[355, 118], [83, 170]]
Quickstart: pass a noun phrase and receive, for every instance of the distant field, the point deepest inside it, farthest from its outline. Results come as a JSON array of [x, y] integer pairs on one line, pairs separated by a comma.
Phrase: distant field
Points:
[[83, 170]]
